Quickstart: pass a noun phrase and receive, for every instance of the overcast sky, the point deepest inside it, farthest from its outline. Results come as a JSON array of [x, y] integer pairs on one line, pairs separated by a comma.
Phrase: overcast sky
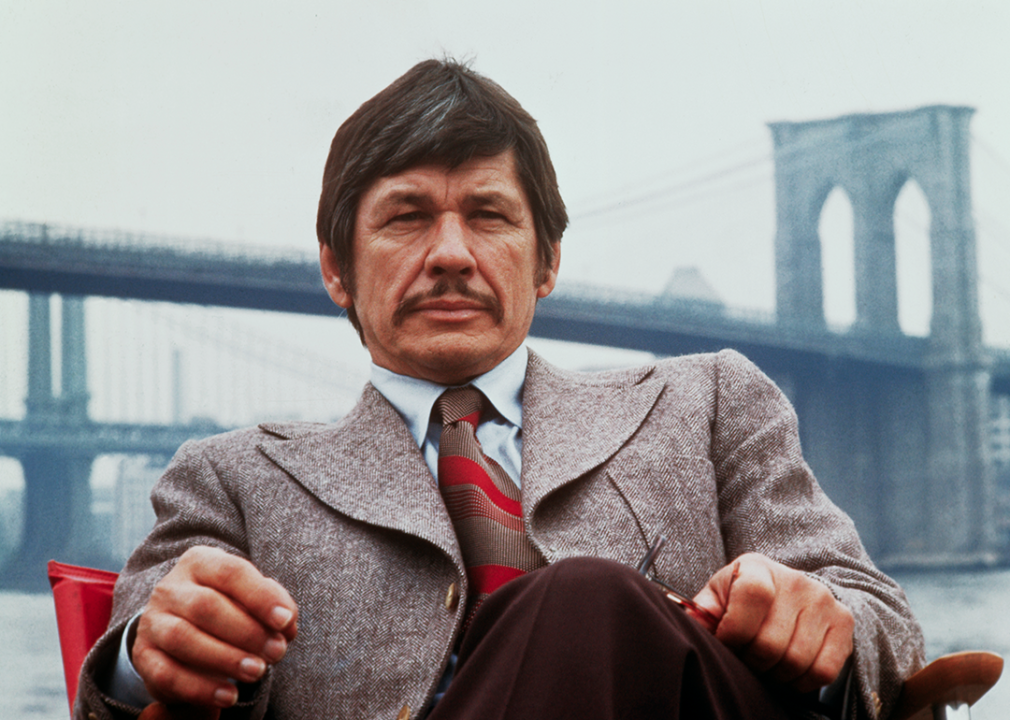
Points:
[[213, 119]]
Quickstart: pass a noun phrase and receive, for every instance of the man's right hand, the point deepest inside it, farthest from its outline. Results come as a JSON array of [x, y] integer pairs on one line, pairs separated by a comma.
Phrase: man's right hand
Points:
[[213, 617]]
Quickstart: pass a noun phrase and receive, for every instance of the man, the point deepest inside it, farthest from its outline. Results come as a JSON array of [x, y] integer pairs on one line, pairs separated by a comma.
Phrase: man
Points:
[[470, 553]]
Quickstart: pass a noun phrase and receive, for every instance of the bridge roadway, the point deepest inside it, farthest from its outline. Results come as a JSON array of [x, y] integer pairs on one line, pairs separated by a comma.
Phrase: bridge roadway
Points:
[[868, 403], [18, 437], [46, 259]]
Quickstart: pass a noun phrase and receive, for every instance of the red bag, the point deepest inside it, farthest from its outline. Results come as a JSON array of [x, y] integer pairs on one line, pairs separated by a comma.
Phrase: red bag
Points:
[[83, 599]]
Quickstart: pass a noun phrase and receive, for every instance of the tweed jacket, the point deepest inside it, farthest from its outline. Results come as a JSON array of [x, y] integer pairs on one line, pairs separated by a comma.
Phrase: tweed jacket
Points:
[[703, 449]]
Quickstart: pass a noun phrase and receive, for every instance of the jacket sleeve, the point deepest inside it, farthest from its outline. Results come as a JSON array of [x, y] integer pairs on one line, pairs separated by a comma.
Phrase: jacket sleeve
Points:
[[770, 503], [193, 507]]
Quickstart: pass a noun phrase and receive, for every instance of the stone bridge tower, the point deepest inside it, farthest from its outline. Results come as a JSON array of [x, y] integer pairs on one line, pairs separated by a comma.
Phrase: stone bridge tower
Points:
[[57, 497], [937, 494]]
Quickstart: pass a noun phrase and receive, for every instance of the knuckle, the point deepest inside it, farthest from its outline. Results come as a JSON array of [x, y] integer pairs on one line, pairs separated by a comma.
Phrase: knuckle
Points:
[[161, 676], [161, 596], [225, 570], [846, 624], [754, 593], [196, 555], [142, 658], [820, 674], [763, 654], [176, 635], [200, 605], [793, 663]]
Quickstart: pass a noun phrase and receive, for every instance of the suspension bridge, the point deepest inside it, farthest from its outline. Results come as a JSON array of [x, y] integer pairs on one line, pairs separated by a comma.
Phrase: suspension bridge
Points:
[[899, 429]]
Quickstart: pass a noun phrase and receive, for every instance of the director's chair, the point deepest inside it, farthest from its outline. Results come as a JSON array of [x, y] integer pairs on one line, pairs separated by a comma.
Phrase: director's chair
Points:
[[944, 689]]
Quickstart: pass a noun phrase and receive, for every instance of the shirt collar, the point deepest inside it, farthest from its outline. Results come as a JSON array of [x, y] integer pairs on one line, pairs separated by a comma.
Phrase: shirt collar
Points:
[[414, 398]]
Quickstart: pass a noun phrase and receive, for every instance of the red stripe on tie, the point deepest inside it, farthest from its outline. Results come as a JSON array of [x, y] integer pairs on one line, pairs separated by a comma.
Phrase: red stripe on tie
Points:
[[488, 522], [458, 470], [488, 578]]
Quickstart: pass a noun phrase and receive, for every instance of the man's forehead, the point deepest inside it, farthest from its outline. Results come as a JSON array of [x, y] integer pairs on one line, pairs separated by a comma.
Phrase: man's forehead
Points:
[[479, 176]]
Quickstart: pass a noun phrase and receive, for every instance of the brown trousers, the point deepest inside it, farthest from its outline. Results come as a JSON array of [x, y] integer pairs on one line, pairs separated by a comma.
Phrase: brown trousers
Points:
[[594, 640]]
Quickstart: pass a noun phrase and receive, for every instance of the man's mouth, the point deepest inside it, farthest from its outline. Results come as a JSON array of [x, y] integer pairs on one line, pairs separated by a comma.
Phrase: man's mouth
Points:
[[449, 299]]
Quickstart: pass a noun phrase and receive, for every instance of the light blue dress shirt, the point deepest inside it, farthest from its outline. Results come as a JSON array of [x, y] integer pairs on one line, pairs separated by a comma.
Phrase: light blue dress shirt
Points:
[[500, 429], [499, 433]]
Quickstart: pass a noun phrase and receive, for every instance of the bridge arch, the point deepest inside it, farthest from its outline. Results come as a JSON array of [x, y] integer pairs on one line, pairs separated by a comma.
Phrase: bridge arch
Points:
[[914, 258], [835, 229]]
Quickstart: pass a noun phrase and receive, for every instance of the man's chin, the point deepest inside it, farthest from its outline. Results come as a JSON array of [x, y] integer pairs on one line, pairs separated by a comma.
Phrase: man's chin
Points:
[[459, 359]]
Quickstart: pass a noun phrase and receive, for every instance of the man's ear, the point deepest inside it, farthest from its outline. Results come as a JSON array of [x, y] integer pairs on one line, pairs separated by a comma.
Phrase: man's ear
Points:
[[331, 277], [550, 277]]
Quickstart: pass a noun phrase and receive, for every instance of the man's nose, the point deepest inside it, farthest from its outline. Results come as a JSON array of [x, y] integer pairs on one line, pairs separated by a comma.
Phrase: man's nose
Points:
[[450, 251]]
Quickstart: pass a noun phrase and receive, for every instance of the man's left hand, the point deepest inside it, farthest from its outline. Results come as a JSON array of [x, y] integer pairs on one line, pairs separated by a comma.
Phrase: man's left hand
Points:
[[780, 621]]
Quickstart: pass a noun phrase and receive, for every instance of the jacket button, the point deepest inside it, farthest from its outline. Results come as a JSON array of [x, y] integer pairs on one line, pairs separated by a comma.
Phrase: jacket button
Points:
[[404, 713], [451, 597]]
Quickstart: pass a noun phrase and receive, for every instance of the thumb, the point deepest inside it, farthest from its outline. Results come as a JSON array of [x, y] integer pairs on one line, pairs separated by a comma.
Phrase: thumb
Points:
[[714, 597]]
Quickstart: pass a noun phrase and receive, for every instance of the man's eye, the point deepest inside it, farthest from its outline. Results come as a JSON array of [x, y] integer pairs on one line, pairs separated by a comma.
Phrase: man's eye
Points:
[[488, 215], [406, 217]]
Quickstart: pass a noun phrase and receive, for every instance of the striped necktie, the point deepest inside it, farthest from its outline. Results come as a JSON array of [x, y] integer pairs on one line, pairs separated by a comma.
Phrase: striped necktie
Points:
[[483, 501]]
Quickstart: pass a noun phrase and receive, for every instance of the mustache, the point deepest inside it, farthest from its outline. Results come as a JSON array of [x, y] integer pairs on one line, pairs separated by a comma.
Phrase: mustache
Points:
[[443, 287]]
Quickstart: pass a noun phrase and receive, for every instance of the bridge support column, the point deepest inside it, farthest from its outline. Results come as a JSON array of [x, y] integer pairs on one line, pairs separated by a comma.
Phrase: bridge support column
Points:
[[960, 478], [57, 498], [875, 260], [57, 519], [74, 367], [958, 489], [799, 281]]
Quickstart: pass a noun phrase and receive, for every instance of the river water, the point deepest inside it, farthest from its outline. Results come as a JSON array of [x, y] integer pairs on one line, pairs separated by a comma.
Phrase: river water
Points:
[[958, 611]]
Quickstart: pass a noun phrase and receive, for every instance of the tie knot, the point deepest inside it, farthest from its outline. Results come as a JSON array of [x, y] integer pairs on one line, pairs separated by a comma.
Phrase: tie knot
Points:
[[463, 403]]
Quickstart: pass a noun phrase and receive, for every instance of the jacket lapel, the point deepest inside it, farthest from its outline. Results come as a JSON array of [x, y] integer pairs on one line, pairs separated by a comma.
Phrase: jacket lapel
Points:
[[368, 467], [573, 422]]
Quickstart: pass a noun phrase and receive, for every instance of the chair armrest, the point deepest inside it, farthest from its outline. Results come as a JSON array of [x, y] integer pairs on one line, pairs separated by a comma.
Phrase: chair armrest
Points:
[[961, 677]]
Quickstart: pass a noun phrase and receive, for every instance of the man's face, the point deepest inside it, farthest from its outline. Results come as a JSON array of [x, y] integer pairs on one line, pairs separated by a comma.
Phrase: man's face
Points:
[[446, 269]]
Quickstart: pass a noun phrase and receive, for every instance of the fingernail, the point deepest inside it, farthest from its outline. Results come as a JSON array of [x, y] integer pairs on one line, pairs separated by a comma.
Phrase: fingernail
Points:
[[226, 696], [280, 617], [253, 667], [275, 648]]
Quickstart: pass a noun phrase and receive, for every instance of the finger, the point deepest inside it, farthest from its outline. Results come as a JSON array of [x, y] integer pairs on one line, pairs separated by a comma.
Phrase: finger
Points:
[[264, 598], [820, 639], [714, 597], [213, 613], [169, 681], [708, 619], [829, 661], [170, 635], [798, 653], [750, 598], [708, 599], [775, 639]]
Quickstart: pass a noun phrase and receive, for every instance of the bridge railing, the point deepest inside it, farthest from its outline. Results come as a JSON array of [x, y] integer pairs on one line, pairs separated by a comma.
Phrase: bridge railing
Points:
[[114, 239]]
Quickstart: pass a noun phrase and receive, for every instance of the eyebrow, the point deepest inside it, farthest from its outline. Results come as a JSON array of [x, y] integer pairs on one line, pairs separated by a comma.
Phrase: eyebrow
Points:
[[478, 198], [494, 197]]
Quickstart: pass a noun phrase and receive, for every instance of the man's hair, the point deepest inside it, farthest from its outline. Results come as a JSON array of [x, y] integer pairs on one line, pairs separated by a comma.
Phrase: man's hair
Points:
[[439, 112]]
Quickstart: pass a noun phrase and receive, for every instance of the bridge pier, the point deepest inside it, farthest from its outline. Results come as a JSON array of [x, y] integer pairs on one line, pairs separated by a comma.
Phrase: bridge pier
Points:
[[57, 519], [57, 496]]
